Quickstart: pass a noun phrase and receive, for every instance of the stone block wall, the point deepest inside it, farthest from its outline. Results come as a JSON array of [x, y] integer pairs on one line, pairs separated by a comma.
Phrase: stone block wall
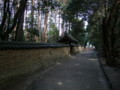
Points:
[[25, 58], [18, 62], [78, 49]]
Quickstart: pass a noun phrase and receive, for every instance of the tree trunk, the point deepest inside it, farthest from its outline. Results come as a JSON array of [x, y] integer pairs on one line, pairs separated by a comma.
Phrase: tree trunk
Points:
[[107, 33], [19, 31], [45, 27], [106, 42], [113, 34], [15, 20], [3, 18], [32, 15], [39, 24], [59, 21], [63, 27]]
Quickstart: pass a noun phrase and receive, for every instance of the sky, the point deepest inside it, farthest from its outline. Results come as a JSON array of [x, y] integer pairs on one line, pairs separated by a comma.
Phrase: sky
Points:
[[86, 24]]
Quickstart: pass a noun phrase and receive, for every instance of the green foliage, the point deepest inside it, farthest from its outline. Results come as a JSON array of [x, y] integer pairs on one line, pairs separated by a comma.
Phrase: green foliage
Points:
[[95, 28], [53, 33], [75, 10], [31, 33], [78, 31]]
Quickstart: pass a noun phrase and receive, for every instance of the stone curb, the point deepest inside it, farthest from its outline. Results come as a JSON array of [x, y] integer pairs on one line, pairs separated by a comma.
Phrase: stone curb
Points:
[[107, 78], [113, 76]]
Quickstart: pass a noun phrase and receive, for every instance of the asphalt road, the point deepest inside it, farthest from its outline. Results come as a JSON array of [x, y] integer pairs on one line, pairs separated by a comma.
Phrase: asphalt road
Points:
[[80, 72]]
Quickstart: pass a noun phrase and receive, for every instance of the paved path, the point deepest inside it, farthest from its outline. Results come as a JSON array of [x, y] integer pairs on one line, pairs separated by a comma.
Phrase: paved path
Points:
[[81, 72]]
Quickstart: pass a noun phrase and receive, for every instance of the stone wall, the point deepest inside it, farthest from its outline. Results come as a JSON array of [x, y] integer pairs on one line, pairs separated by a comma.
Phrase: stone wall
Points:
[[77, 49], [19, 61]]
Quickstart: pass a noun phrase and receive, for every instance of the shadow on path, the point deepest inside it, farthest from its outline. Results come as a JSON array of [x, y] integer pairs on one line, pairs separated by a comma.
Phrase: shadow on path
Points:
[[80, 72]]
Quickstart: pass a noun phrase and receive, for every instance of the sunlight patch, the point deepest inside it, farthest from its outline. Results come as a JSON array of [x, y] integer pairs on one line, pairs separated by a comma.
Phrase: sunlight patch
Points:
[[77, 64], [93, 59], [58, 63], [60, 83]]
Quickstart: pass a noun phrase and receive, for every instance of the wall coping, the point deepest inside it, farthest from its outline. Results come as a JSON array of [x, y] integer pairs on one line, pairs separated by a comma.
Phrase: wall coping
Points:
[[29, 45]]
